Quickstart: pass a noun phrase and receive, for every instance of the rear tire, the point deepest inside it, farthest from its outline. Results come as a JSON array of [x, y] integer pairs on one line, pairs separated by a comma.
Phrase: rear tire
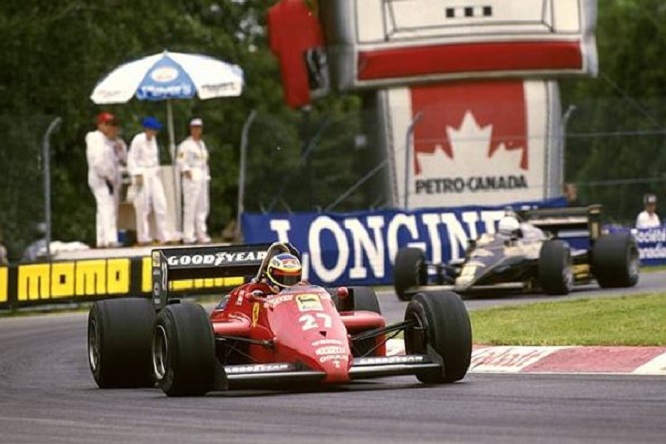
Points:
[[555, 268], [442, 326], [119, 338], [183, 350], [365, 298], [409, 271], [615, 260]]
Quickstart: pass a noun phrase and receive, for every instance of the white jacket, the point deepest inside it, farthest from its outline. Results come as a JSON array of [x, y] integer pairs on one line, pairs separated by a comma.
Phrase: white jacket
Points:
[[102, 162], [143, 158], [193, 157]]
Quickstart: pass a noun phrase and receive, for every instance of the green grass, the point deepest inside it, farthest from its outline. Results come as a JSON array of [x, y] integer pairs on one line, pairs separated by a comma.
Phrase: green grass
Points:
[[627, 320]]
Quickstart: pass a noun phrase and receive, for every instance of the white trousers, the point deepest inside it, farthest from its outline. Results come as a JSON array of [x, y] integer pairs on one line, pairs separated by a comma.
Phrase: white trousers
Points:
[[106, 218], [151, 197], [195, 210]]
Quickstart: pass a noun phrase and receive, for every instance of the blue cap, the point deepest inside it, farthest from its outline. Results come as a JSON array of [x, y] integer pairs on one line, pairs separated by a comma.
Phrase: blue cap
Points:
[[151, 123]]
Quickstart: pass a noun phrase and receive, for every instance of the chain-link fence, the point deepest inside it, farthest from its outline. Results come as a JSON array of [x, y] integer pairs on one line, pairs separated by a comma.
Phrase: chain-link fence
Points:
[[22, 169], [613, 149], [335, 161], [616, 153]]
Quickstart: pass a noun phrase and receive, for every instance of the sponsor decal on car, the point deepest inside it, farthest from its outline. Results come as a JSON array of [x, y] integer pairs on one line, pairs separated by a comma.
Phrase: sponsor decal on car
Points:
[[381, 360], [258, 368], [321, 342], [330, 350], [308, 302], [277, 300], [336, 359], [156, 259], [255, 313], [216, 259]]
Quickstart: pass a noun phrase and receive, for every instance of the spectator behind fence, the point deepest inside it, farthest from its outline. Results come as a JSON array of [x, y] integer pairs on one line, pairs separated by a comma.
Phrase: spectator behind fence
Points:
[[193, 165], [648, 218], [570, 191], [144, 167], [3, 250], [103, 179], [37, 249]]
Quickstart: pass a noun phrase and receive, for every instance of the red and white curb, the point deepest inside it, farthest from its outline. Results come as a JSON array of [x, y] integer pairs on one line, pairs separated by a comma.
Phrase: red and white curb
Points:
[[569, 359]]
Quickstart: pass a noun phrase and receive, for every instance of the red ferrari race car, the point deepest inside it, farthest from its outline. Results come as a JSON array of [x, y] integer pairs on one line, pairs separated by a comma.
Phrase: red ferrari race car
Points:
[[303, 333]]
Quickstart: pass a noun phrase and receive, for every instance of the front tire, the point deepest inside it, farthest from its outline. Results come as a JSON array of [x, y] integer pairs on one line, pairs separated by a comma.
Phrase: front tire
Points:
[[615, 260], [441, 326], [409, 271], [555, 268], [183, 350], [119, 338]]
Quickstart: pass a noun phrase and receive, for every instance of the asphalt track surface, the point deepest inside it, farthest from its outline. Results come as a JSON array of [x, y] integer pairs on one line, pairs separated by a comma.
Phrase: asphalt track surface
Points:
[[48, 395]]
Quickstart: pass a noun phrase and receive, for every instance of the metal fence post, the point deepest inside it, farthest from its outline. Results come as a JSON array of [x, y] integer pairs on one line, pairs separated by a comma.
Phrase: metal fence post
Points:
[[408, 146], [46, 154], [241, 172]]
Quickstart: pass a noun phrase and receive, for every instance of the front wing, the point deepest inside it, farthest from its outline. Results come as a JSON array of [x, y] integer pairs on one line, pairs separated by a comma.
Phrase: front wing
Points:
[[244, 375]]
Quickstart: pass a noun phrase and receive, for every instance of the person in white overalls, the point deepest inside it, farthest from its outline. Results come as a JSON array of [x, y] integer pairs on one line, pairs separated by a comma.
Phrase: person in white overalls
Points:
[[143, 165], [193, 165], [103, 179]]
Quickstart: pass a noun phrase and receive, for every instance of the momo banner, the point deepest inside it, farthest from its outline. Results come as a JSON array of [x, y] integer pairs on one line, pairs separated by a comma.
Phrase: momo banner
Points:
[[473, 143], [359, 248]]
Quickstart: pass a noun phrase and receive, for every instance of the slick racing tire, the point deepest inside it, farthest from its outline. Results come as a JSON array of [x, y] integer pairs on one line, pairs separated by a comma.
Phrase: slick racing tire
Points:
[[555, 268], [442, 330], [119, 338], [365, 298], [615, 260], [409, 271], [183, 350]]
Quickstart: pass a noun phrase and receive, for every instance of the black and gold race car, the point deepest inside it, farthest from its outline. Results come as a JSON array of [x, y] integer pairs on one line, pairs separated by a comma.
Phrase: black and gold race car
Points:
[[547, 250]]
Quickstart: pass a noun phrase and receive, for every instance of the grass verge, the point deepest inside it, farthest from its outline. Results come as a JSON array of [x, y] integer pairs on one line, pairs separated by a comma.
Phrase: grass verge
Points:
[[637, 320]]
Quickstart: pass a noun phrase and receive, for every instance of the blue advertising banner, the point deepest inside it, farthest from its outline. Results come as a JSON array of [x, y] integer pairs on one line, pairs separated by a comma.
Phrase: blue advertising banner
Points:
[[359, 248]]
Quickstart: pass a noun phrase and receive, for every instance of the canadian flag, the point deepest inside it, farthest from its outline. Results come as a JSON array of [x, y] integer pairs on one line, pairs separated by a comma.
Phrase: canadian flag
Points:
[[476, 143]]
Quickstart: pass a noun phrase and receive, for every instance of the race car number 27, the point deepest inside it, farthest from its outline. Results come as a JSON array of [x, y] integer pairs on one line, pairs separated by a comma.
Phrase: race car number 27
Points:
[[310, 321]]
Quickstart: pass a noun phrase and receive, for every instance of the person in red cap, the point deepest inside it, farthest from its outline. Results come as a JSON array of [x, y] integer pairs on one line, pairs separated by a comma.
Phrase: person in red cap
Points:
[[103, 179], [144, 167], [193, 164]]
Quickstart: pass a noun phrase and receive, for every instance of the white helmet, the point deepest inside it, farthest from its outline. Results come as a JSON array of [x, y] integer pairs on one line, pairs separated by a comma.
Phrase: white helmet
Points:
[[508, 225]]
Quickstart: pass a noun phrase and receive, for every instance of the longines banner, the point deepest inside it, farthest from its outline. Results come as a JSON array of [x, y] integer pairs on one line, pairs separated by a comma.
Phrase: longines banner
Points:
[[359, 248]]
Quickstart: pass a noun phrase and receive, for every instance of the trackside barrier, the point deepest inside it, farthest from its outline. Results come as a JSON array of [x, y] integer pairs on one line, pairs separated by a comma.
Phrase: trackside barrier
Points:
[[86, 280], [359, 248]]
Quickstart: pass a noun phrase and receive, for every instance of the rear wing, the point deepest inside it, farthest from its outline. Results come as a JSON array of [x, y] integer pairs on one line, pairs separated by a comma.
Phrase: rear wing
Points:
[[202, 262], [567, 222]]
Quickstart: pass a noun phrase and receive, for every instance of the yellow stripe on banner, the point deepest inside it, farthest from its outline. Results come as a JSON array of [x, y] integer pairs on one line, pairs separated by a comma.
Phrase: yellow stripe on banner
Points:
[[62, 279], [4, 283], [33, 282], [212, 283], [233, 281], [118, 278], [146, 275], [91, 277]]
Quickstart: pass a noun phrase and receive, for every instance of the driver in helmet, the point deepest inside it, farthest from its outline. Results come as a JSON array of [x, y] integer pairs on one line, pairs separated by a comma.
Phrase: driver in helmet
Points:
[[283, 271], [509, 226]]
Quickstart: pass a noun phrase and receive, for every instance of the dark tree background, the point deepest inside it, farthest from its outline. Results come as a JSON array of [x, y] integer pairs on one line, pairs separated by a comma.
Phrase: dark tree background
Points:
[[53, 53]]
